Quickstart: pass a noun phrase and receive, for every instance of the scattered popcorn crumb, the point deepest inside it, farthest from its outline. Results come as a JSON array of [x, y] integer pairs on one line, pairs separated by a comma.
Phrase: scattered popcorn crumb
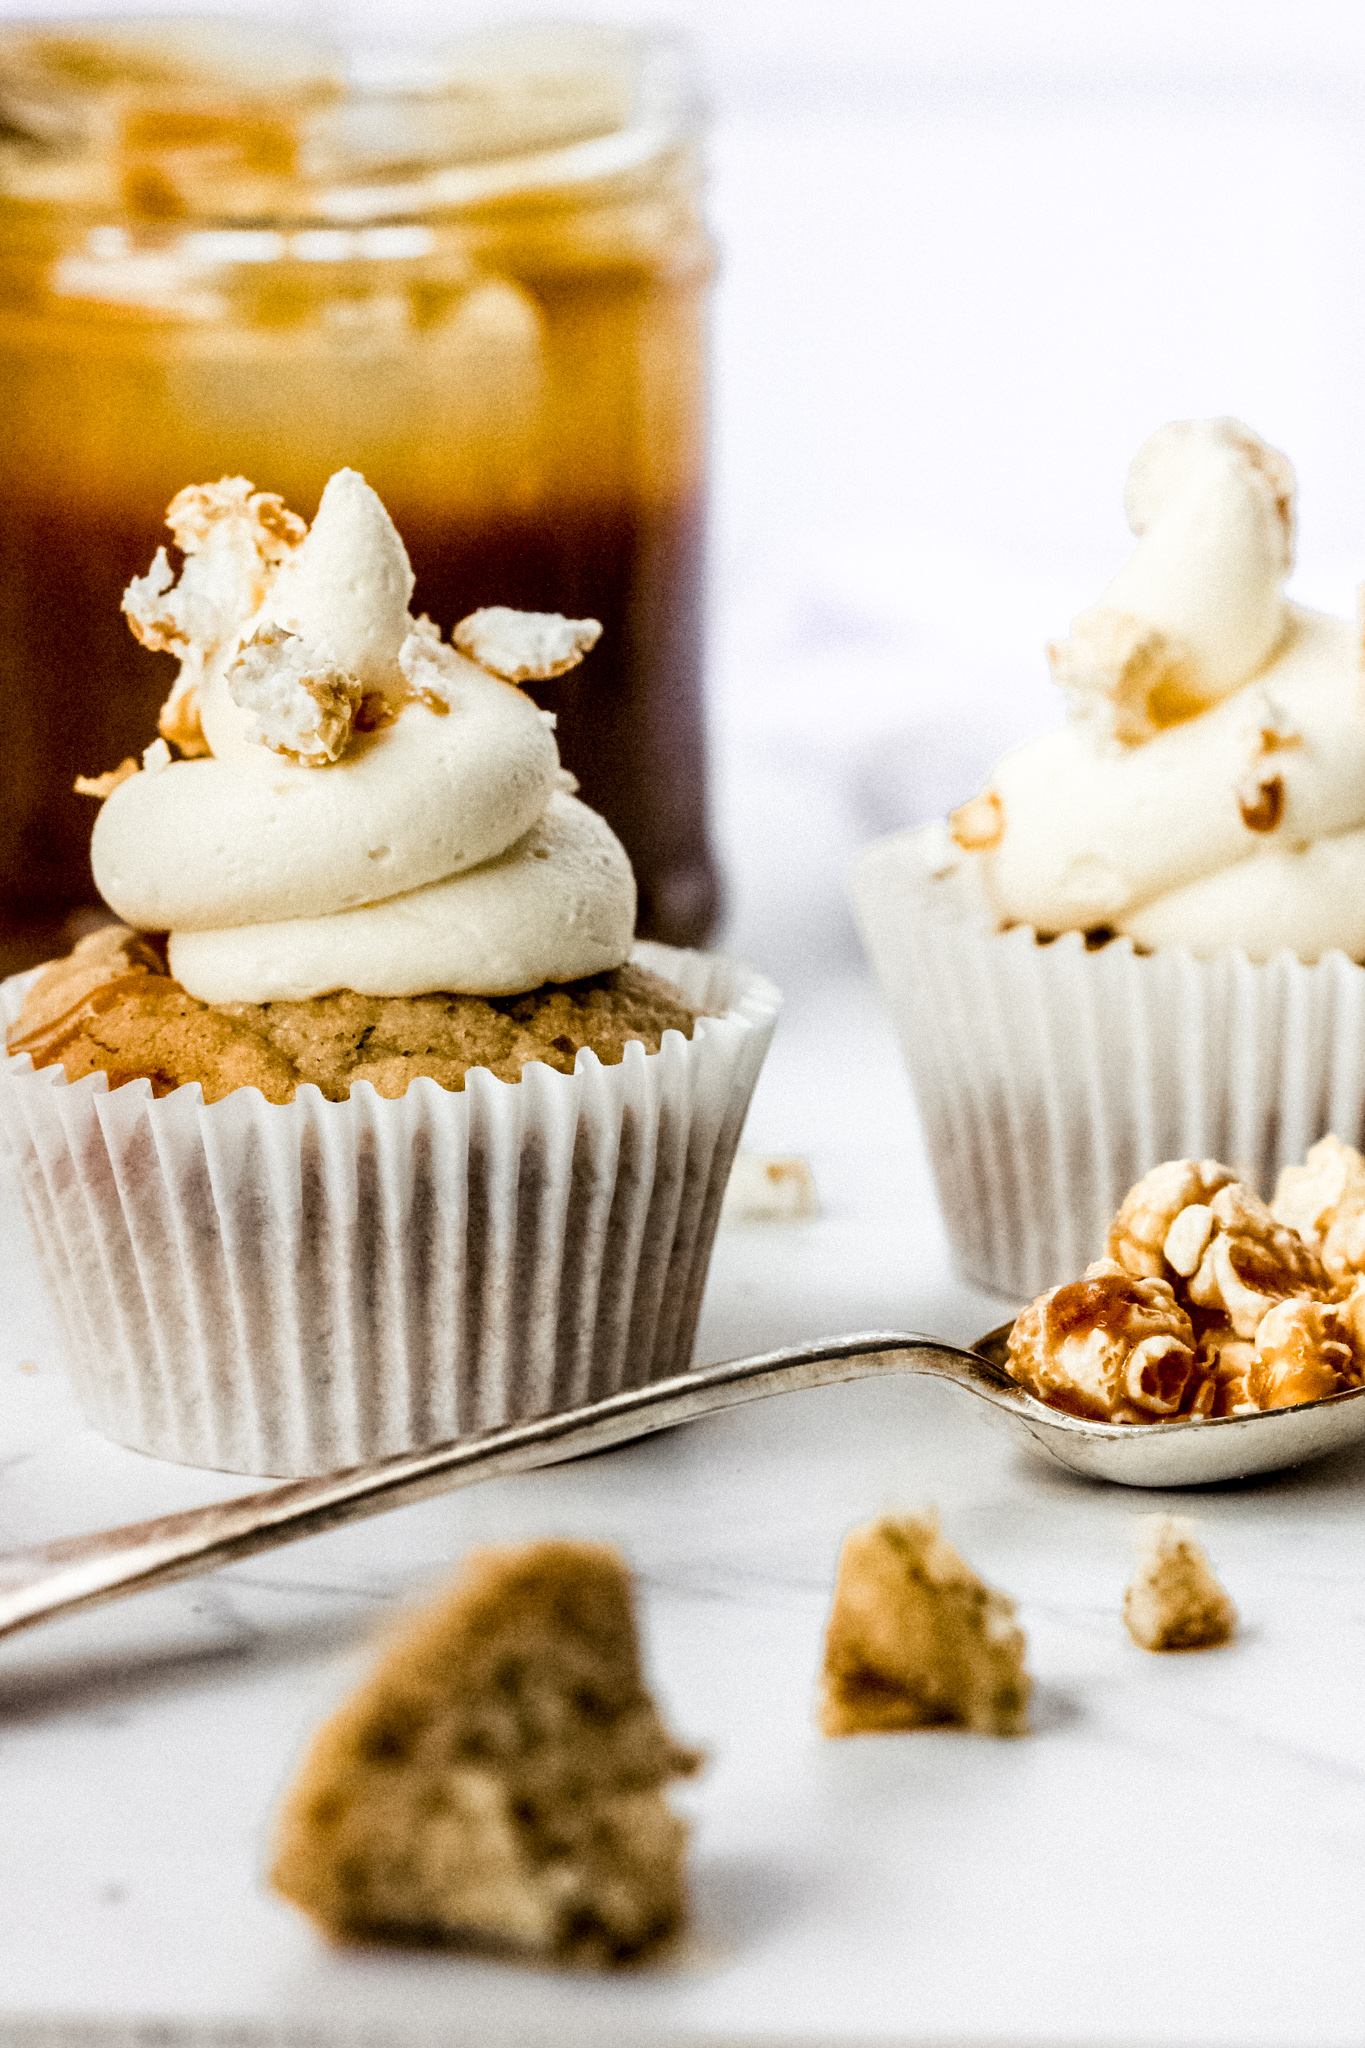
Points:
[[1174, 1601], [523, 647], [156, 757], [105, 785], [917, 1640], [979, 824], [769, 1190], [27, 1365], [303, 704]]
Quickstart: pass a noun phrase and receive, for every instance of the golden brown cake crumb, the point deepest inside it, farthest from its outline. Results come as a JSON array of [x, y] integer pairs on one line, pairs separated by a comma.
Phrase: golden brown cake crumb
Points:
[[916, 1640], [1174, 1601], [113, 1006], [500, 1775]]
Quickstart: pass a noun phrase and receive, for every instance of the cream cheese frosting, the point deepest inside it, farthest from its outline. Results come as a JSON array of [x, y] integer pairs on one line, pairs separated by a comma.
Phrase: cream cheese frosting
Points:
[[363, 806], [1209, 787]]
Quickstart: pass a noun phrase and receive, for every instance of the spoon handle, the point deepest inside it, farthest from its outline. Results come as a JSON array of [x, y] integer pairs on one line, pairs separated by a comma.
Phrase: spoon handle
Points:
[[84, 1571]]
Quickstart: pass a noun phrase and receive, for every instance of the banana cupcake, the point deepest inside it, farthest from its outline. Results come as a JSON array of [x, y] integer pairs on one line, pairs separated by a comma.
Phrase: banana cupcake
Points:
[[1143, 939], [368, 1127]]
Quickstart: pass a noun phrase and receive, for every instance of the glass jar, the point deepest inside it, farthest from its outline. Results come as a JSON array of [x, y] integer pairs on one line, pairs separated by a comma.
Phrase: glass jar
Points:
[[480, 278]]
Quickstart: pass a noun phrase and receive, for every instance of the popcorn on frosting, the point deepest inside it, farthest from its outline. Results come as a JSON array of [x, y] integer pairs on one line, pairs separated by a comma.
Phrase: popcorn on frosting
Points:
[[1199, 606], [524, 647], [233, 540], [303, 703]]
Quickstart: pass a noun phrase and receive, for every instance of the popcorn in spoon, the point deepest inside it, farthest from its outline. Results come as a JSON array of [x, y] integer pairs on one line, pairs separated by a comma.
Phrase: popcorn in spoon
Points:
[[1324, 1200], [1240, 1262], [1108, 1346], [303, 703], [1150, 1209], [523, 647], [1209, 1304], [233, 540], [1174, 1602], [1199, 606]]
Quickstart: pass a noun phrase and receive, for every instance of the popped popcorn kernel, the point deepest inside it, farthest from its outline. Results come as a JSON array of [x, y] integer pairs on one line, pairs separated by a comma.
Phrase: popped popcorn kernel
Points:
[[304, 705], [1110, 1346], [1138, 1234], [523, 647]]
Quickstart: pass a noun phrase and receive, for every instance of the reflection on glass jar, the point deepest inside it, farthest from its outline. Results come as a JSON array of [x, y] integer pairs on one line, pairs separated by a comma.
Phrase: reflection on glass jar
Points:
[[480, 280]]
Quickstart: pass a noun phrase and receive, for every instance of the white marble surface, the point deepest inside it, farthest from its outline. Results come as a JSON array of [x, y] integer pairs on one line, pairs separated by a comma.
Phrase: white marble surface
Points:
[[1175, 1855]]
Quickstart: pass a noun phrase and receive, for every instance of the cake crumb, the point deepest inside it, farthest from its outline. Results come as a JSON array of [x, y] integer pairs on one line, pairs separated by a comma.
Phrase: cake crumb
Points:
[[1174, 1601], [499, 1777], [917, 1640], [769, 1190]]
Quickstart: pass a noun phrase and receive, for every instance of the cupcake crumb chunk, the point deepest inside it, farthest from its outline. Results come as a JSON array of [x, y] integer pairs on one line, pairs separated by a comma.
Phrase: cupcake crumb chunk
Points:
[[917, 1640], [500, 1777], [1174, 1602]]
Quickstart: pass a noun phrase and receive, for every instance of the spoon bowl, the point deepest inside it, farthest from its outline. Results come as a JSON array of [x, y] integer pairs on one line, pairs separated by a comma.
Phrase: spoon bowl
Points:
[[84, 1571]]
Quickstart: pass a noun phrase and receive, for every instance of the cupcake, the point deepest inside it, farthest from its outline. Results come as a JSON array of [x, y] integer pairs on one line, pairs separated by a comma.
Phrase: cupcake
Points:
[[368, 1127], [1142, 940]]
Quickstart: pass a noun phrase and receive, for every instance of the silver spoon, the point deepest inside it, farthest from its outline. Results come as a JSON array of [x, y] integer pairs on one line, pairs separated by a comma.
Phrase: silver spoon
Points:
[[84, 1571]]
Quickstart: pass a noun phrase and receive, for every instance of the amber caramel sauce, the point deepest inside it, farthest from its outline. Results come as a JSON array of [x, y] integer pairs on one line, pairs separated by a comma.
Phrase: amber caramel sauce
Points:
[[528, 398]]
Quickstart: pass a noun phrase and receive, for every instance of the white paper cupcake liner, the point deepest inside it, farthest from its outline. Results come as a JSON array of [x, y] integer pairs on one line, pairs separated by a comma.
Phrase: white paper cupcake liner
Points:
[[1049, 1078], [293, 1288]]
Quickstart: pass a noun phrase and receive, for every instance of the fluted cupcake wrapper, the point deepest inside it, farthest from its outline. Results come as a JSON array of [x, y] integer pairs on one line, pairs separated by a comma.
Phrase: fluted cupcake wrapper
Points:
[[292, 1288], [1050, 1077]]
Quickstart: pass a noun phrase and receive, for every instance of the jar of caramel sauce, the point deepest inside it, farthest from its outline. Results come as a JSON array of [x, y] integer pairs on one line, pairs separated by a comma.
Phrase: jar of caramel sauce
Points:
[[478, 275]]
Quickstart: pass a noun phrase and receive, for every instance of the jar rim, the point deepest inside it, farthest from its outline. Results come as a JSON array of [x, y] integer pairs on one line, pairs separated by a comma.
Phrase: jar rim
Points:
[[236, 118]]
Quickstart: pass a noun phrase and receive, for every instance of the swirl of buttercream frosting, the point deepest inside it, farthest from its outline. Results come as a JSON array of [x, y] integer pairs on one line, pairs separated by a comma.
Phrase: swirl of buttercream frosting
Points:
[[429, 846], [1218, 800]]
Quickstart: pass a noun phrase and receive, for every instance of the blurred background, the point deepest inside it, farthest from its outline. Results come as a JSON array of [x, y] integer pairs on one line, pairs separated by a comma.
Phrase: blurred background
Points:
[[969, 258]]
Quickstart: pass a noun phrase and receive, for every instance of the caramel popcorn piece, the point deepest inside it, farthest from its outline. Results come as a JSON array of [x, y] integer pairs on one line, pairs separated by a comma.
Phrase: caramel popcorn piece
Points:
[[979, 824], [1110, 1346], [1210, 1302], [1137, 1236], [303, 703], [1174, 1601], [916, 1640], [500, 1775], [1248, 1262], [233, 540], [522, 647], [1324, 1200], [1305, 1350], [105, 785]]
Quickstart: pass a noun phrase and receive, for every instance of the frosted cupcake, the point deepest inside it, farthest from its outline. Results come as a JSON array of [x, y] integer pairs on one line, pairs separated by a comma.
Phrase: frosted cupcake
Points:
[[371, 1128], [1141, 941]]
